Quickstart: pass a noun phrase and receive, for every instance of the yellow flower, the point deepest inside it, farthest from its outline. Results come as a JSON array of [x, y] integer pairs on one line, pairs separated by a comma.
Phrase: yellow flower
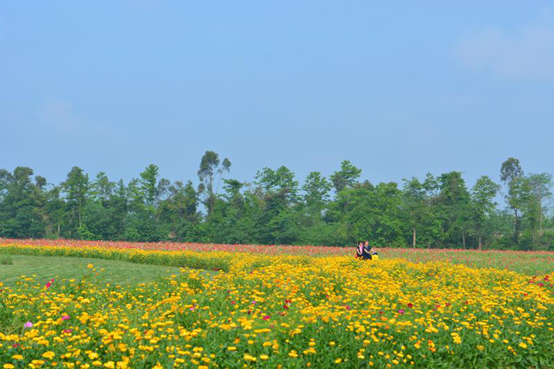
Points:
[[49, 355], [523, 345], [248, 357], [8, 366], [231, 348], [17, 357]]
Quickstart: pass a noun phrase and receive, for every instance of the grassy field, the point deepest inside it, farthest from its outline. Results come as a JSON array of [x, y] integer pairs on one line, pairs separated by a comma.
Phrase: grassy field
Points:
[[44, 268]]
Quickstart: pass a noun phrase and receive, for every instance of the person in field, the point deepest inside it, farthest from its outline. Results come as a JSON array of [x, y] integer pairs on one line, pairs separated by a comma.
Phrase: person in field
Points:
[[363, 251], [372, 253]]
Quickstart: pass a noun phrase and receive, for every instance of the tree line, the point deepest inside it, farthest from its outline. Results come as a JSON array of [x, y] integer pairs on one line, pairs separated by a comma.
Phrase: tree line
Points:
[[433, 212]]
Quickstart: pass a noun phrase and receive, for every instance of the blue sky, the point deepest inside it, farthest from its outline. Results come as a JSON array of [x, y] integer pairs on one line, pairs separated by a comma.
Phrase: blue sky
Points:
[[398, 88]]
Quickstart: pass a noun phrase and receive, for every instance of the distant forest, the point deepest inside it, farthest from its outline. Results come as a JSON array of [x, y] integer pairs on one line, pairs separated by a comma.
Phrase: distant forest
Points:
[[433, 212]]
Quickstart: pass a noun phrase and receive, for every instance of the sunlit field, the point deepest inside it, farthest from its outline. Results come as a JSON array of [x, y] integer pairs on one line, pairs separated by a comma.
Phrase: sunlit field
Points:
[[89, 304], [526, 262]]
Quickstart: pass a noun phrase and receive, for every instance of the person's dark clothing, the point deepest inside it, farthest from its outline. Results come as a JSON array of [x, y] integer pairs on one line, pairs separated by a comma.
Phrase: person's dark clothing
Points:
[[364, 252]]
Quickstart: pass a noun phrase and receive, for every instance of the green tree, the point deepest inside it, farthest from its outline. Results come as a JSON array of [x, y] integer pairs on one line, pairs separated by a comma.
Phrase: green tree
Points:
[[511, 175], [20, 214], [453, 203], [414, 197], [179, 212], [75, 188], [346, 177], [209, 168], [483, 206], [535, 193], [316, 192], [149, 185], [277, 191]]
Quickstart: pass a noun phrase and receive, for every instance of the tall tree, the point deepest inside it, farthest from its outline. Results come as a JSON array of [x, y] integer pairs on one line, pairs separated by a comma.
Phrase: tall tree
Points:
[[149, 185], [453, 201], [179, 212], [482, 205], [20, 214], [316, 192], [346, 177], [101, 188], [76, 188], [535, 192], [278, 192], [511, 175], [414, 197], [209, 167]]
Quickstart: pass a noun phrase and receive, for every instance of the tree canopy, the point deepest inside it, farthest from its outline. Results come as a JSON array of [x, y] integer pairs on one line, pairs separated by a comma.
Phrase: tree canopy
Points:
[[275, 208]]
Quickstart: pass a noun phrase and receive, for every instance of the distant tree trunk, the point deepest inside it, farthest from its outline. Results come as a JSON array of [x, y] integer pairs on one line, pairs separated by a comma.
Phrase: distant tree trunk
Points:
[[414, 237], [516, 227], [464, 239], [79, 213], [480, 243], [540, 214]]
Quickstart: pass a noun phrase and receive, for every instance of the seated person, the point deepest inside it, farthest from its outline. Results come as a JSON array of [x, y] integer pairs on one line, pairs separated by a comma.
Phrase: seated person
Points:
[[363, 251], [372, 252]]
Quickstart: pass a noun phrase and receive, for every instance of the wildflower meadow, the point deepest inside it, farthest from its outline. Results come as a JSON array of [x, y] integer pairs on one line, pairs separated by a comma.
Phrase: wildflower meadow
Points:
[[282, 307]]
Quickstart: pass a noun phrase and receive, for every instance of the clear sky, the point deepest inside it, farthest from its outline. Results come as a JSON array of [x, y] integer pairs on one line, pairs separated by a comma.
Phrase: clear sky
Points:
[[400, 88]]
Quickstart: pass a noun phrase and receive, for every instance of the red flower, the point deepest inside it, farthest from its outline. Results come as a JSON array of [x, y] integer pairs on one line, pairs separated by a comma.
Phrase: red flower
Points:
[[266, 317], [410, 305]]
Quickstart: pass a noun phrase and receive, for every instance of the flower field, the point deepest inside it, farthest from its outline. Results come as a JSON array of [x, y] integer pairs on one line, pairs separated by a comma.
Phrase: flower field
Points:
[[282, 309], [530, 263]]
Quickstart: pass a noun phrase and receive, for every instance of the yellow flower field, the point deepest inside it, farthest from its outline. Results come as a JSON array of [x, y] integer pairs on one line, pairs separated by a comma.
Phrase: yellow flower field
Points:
[[280, 311]]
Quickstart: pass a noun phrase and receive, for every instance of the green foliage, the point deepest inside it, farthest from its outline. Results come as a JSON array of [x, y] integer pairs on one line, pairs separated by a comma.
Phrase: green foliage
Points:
[[22, 204], [209, 168], [434, 212], [346, 177]]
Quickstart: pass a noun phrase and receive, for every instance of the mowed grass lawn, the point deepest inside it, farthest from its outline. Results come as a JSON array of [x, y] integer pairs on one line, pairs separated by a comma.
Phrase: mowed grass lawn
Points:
[[45, 268]]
